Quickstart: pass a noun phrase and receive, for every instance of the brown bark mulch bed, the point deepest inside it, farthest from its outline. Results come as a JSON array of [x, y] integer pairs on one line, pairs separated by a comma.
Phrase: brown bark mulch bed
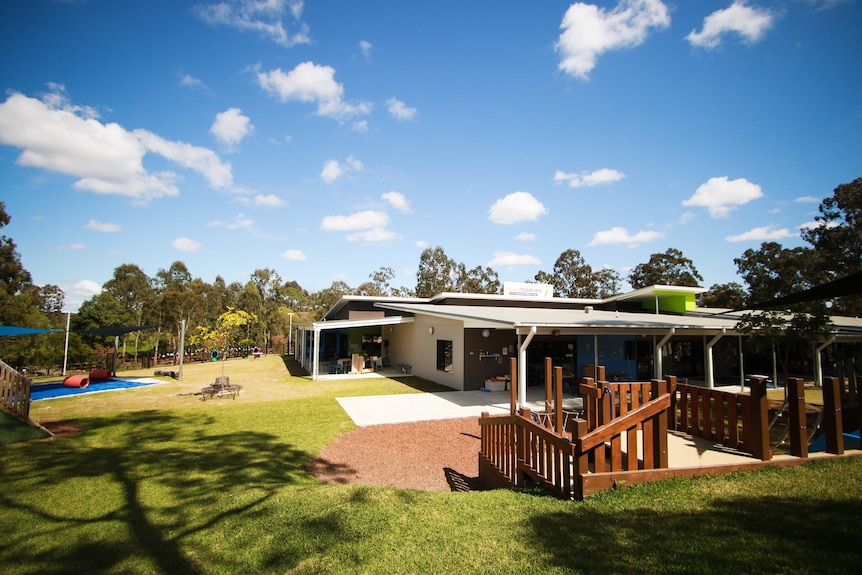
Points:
[[439, 455]]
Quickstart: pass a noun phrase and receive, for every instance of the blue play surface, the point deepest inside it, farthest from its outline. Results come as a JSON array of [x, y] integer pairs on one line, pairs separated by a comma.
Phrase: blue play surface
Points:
[[851, 440], [57, 389]]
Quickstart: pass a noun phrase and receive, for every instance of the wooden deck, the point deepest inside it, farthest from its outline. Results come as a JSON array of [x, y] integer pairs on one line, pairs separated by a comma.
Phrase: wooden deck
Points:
[[634, 432]]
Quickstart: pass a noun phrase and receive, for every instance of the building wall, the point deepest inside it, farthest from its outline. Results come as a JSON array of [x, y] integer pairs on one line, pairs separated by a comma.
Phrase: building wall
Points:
[[486, 357], [415, 345]]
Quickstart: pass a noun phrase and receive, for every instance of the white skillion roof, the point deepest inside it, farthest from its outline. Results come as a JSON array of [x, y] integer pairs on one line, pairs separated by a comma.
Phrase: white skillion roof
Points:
[[570, 320]]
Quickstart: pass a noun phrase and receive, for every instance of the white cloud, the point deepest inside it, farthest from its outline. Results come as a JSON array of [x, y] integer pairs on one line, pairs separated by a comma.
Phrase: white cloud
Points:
[[763, 233], [422, 244], [397, 201], [525, 237], [186, 245], [269, 200], [103, 227], [501, 259], [311, 83], [516, 207], [815, 224], [749, 23], [360, 126], [353, 163], [263, 17], [365, 220], [231, 126], [594, 178], [105, 158], [365, 47], [240, 221], [86, 288], [201, 160], [367, 226], [399, 110], [807, 200], [620, 235], [189, 81], [373, 236], [294, 256], [72, 247], [590, 31], [332, 169], [722, 196]]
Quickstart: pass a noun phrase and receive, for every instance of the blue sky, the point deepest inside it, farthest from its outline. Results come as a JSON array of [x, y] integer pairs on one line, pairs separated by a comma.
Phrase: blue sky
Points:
[[325, 139]]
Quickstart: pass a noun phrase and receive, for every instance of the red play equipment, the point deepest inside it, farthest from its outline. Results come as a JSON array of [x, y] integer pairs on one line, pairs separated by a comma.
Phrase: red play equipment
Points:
[[100, 375], [76, 381]]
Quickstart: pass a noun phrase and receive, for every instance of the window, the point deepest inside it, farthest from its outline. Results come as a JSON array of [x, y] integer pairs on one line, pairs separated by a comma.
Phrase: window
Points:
[[444, 355]]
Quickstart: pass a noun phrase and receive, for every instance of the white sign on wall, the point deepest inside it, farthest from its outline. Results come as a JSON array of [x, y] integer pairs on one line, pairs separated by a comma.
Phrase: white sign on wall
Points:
[[520, 289]]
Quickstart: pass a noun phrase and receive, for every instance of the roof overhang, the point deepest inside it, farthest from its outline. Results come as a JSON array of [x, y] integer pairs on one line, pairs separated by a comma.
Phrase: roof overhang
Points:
[[360, 323]]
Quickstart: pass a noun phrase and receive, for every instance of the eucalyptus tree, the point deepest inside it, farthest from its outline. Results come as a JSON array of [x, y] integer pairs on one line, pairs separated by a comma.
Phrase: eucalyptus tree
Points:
[[133, 290], [476, 280], [668, 268], [727, 295], [608, 282], [21, 301], [323, 300], [435, 273], [836, 239], [571, 277], [773, 271], [178, 299]]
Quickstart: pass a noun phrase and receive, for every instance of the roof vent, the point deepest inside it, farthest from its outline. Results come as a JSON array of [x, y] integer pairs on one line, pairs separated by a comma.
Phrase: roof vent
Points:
[[588, 308]]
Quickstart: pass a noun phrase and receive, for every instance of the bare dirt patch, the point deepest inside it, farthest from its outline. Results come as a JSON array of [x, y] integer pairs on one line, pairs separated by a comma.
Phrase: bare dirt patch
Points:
[[437, 455], [62, 428]]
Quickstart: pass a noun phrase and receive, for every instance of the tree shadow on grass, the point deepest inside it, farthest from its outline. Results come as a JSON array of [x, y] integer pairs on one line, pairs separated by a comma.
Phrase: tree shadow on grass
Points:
[[165, 479], [769, 534]]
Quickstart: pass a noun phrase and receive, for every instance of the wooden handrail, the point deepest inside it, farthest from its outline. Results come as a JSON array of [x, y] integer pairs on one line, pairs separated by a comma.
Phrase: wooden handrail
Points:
[[621, 424]]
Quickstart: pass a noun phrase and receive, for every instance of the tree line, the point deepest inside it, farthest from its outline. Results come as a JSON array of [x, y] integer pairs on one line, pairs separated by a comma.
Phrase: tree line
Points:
[[272, 304]]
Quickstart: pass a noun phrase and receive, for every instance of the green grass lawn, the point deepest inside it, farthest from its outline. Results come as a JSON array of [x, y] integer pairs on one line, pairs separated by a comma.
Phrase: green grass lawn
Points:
[[159, 481]]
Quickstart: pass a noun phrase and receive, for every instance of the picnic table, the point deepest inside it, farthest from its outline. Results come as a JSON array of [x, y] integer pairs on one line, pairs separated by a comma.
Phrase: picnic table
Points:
[[221, 388]]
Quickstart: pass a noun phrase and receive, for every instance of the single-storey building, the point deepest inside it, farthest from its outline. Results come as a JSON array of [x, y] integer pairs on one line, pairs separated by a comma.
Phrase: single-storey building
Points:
[[464, 340]]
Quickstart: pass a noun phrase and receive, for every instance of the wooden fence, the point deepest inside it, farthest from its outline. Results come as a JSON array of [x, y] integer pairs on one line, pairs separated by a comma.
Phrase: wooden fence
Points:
[[612, 437], [621, 433], [730, 419], [14, 392]]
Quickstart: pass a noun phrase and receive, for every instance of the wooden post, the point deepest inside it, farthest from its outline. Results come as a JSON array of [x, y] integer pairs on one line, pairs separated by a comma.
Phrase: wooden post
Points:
[[548, 378], [513, 385], [659, 428], [522, 447], [757, 437], [833, 420], [579, 429], [558, 400], [798, 422]]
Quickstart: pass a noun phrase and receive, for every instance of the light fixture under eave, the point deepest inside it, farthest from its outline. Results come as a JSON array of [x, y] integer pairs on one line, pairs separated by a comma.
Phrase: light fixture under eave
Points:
[[431, 330], [486, 332]]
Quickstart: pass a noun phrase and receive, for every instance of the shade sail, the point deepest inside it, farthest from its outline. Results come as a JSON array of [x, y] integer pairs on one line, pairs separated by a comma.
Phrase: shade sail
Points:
[[103, 331], [848, 285]]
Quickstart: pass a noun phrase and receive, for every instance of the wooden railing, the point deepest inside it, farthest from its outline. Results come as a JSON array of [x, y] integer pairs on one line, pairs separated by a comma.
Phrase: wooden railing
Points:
[[734, 420], [518, 446], [14, 392]]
